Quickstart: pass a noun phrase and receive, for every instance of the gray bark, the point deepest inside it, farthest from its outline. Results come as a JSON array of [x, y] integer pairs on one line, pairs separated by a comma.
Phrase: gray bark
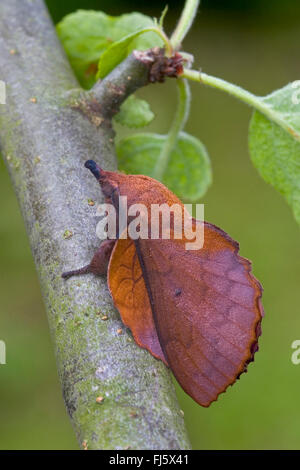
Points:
[[48, 128]]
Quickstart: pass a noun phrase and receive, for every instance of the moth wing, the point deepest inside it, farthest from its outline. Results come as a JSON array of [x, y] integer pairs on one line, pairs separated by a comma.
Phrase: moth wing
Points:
[[130, 296], [206, 309]]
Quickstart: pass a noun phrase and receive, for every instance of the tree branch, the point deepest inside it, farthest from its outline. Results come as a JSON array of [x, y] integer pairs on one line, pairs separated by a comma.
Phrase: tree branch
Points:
[[44, 142], [124, 80]]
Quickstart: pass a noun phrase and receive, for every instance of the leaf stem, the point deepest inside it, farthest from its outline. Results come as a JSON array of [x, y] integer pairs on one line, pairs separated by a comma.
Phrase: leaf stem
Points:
[[185, 22], [178, 123], [249, 98], [160, 32], [168, 46]]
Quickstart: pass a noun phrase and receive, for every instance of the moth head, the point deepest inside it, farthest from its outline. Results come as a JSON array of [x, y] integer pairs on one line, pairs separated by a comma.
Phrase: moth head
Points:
[[107, 180], [137, 188], [94, 168]]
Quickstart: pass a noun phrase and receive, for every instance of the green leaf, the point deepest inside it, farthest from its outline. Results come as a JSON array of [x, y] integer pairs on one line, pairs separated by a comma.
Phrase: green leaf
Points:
[[87, 34], [286, 102], [188, 173], [117, 52], [135, 112], [275, 152]]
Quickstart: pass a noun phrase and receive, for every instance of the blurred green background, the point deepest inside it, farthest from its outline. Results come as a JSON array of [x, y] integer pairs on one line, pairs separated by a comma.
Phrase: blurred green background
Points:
[[252, 43]]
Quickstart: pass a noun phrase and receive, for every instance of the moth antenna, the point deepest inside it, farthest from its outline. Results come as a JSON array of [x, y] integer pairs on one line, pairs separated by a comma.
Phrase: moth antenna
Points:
[[94, 168]]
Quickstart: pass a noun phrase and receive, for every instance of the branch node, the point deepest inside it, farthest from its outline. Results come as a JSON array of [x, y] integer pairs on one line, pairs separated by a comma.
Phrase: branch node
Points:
[[87, 104], [160, 66]]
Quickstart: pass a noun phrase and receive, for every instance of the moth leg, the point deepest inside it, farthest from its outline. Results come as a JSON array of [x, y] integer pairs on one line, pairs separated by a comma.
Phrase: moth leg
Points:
[[98, 264], [76, 272]]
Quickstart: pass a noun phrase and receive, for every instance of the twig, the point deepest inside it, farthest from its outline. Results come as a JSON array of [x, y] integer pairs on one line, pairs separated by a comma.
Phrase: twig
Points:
[[45, 142]]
